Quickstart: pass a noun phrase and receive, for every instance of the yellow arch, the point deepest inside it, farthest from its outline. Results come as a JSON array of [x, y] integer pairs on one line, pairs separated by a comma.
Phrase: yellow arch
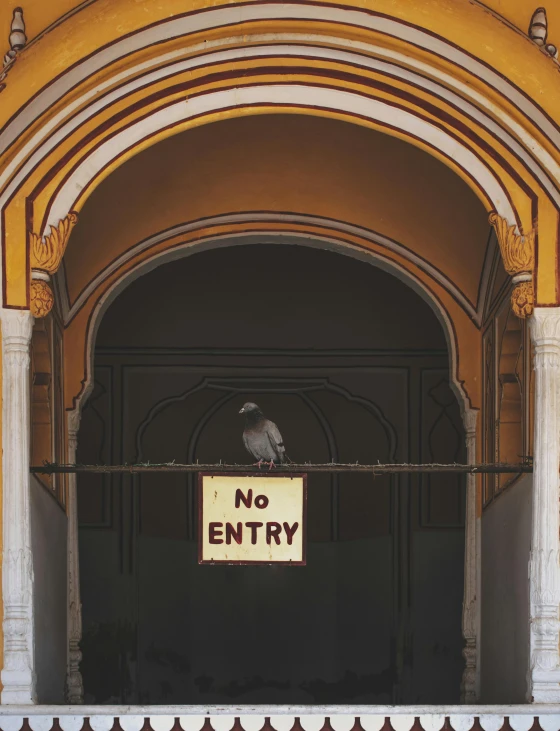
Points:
[[462, 334], [462, 30]]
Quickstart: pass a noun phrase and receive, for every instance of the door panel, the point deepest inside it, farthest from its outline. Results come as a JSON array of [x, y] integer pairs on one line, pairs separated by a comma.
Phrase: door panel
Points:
[[361, 623]]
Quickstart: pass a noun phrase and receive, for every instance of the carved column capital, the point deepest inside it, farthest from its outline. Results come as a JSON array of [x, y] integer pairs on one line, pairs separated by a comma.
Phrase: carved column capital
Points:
[[17, 327], [545, 327], [46, 255], [518, 254]]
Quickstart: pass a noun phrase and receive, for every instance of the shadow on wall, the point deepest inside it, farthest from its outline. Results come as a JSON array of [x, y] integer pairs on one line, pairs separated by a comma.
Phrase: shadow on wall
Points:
[[48, 535], [352, 364], [506, 542]]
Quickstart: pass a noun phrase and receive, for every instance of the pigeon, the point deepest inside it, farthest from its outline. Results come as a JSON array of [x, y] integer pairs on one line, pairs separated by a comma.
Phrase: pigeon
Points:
[[261, 437]]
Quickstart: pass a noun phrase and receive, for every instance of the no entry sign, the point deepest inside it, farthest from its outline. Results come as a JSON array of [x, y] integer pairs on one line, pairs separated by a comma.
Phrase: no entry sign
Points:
[[252, 519]]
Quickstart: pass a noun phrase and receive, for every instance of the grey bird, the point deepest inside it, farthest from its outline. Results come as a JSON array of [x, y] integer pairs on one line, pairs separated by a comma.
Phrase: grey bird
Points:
[[261, 437]]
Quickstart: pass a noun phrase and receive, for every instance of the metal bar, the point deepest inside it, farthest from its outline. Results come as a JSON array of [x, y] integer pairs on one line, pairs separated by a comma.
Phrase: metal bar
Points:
[[375, 469]]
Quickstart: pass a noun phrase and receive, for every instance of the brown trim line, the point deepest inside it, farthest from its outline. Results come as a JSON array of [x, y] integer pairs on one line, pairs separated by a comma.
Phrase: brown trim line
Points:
[[4, 278], [535, 220], [557, 288], [28, 230]]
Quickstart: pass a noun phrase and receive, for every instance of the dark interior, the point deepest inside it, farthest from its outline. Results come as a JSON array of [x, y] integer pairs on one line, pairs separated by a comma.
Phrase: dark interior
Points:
[[353, 366]]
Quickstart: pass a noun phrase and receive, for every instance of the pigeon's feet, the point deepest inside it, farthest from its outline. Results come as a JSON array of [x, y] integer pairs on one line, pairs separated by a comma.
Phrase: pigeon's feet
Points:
[[258, 464], [270, 464]]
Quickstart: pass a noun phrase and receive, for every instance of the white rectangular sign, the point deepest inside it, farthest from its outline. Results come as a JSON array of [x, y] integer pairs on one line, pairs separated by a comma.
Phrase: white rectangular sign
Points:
[[252, 519]]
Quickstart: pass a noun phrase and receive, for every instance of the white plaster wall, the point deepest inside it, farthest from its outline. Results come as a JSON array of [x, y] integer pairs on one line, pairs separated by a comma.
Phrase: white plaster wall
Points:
[[48, 530], [506, 533]]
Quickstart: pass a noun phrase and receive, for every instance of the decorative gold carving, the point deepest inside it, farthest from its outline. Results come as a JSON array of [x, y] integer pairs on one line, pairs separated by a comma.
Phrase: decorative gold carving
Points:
[[42, 298], [523, 300], [518, 254], [518, 251], [47, 251]]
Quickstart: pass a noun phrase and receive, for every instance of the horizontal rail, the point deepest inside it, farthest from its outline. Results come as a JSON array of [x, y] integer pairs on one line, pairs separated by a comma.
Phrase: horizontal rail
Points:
[[375, 469]]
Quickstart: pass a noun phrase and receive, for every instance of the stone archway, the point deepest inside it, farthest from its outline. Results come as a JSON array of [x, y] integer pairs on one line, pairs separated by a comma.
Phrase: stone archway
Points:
[[528, 169]]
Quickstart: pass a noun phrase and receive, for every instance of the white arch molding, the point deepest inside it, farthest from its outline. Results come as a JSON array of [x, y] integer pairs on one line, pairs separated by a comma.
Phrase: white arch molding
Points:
[[430, 76], [443, 86], [475, 107], [279, 96], [471, 604]]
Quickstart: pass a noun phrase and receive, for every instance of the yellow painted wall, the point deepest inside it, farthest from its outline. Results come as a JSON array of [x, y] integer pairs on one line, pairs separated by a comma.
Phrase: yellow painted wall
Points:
[[285, 163], [519, 12], [39, 15]]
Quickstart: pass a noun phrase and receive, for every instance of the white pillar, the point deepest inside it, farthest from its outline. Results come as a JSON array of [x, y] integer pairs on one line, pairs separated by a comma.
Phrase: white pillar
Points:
[[18, 676], [471, 598], [74, 684], [544, 572]]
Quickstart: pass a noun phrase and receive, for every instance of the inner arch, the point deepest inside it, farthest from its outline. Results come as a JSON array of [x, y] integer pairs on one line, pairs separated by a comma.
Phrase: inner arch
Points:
[[340, 354], [285, 164], [314, 179]]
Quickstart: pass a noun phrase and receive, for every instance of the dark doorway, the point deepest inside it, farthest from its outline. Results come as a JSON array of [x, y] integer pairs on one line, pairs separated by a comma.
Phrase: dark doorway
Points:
[[353, 366]]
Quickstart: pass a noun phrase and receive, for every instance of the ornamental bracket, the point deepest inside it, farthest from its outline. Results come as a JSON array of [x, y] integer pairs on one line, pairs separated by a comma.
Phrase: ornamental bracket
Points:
[[46, 255], [518, 254]]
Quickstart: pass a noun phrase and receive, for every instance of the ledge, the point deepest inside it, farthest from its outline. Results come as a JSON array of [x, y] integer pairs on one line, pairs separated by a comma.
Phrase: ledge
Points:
[[281, 718]]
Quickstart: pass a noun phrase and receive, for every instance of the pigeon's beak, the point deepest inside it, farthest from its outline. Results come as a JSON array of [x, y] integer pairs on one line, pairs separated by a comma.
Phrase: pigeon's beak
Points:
[[242, 411]]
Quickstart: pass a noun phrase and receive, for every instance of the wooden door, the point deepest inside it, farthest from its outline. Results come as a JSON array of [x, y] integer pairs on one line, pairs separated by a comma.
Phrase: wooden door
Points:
[[375, 615]]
